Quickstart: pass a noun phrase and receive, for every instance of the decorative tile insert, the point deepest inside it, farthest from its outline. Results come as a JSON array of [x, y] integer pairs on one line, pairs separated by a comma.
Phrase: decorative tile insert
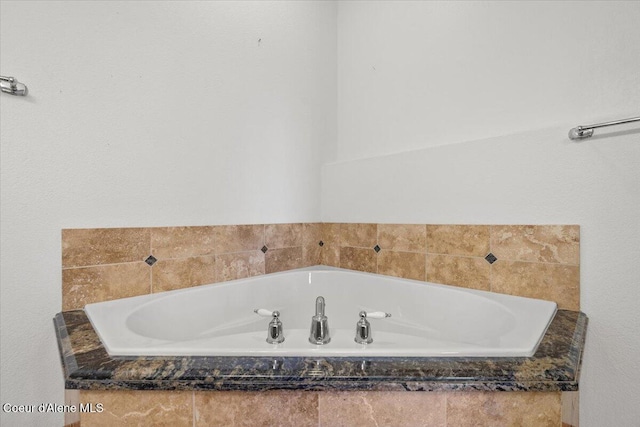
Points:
[[376, 248], [321, 243], [264, 249], [151, 260], [491, 258]]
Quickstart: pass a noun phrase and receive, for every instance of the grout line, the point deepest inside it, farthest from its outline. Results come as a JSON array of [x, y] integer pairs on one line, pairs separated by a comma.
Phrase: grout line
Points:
[[507, 259], [377, 252], [446, 409], [426, 267], [193, 407], [76, 267], [491, 265], [151, 269]]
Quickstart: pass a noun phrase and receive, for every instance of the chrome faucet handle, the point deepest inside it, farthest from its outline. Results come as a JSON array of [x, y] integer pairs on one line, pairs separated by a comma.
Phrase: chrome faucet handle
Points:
[[363, 327], [275, 334]]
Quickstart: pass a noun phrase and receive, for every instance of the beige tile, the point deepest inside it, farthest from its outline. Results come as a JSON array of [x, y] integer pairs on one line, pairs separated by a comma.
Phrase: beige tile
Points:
[[269, 408], [378, 408], [330, 252], [553, 282], [311, 249], [331, 233], [182, 242], [87, 285], [465, 272], [359, 235], [239, 265], [409, 265], [570, 408], [360, 259], [283, 259], [503, 409], [542, 243], [183, 273], [125, 408], [403, 237], [465, 240], [96, 246], [278, 236], [72, 399], [238, 238]]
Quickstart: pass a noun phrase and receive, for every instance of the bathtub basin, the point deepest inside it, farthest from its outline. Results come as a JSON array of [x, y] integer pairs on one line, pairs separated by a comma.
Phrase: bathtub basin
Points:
[[428, 320]]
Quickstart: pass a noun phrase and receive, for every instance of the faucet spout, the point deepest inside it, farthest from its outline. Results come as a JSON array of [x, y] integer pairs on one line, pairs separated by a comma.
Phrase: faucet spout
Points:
[[319, 333]]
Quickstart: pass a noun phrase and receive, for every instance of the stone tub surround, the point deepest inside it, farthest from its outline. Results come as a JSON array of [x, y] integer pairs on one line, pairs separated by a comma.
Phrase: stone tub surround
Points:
[[324, 391], [110, 263], [538, 261], [534, 261]]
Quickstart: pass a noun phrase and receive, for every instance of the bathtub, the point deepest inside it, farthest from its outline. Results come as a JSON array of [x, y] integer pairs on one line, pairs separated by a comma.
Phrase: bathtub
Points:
[[427, 319]]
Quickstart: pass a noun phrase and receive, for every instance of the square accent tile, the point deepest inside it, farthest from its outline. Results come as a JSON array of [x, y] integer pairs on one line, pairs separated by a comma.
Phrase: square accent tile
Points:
[[264, 249], [321, 243], [151, 260], [376, 248], [491, 258]]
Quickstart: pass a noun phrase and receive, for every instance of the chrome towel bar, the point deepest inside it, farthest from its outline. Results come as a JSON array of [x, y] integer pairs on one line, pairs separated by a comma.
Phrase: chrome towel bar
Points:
[[582, 132], [13, 86]]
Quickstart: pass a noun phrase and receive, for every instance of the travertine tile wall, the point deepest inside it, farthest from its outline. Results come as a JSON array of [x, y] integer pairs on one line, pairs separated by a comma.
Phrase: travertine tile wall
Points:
[[335, 409], [109, 263], [539, 261]]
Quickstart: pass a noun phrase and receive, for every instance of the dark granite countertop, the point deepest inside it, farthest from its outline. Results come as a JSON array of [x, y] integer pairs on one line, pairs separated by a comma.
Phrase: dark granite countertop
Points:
[[554, 367]]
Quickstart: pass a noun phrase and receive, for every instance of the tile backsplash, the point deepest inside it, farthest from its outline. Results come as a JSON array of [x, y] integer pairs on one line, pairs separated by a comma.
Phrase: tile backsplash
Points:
[[539, 261]]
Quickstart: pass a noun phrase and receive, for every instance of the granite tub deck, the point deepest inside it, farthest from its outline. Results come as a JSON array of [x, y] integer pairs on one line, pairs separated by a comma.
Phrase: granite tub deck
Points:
[[554, 367]]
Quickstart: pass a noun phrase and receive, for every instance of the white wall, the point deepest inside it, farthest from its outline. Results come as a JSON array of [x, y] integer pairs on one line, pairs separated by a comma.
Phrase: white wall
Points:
[[148, 114], [161, 113], [453, 72], [419, 74]]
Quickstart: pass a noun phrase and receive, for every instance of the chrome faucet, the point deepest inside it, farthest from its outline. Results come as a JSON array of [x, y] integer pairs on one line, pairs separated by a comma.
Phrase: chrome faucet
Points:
[[363, 327], [319, 334], [275, 334]]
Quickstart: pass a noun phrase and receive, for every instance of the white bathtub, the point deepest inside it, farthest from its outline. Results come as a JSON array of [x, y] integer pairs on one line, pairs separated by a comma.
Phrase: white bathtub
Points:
[[219, 320]]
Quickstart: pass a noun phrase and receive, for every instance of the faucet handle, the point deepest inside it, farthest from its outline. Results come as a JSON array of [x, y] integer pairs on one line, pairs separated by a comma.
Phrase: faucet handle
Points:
[[275, 334], [266, 313], [377, 315], [363, 327]]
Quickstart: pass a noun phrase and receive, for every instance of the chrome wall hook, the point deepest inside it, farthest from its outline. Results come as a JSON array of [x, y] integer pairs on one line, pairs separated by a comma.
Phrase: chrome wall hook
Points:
[[13, 86]]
